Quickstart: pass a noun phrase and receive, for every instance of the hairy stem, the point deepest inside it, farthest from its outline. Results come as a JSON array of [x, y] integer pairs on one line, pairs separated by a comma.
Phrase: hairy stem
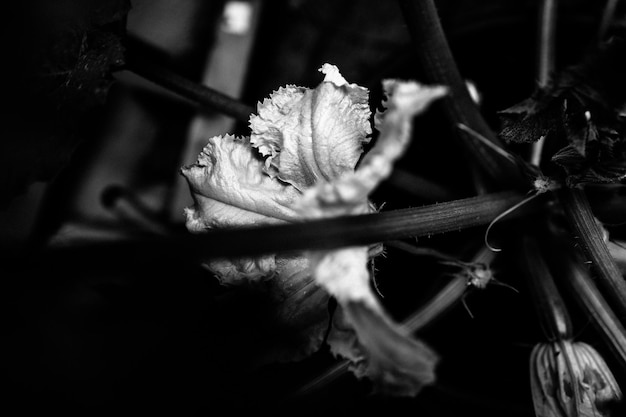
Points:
[[333, 232], [591, 238]]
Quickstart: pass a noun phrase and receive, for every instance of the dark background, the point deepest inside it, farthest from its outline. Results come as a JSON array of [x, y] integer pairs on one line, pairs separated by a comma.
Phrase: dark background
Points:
[[115, 331]]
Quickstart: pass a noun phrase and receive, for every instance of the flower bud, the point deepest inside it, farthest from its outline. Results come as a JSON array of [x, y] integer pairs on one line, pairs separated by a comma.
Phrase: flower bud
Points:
[[570, 379]]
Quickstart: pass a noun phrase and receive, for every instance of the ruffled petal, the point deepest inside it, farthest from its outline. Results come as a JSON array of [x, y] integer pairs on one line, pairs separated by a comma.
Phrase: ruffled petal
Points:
[[312, 135], [348, 194], [230, 188], [394, 361]]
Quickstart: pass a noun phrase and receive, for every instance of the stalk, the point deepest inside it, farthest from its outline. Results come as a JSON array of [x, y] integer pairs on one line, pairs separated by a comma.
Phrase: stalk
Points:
[[573, 274], [138, 61], [346, 231], [545, 60], [591, 238], [329, 233], [549, 304], [440, 68]]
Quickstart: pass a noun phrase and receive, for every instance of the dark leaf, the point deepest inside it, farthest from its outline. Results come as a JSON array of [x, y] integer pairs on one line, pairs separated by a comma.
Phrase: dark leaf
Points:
[[529, 120], [578, 113], [61, 56]]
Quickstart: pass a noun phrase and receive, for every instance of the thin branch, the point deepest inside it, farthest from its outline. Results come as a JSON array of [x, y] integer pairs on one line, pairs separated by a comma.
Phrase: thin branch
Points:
[[139, 62]]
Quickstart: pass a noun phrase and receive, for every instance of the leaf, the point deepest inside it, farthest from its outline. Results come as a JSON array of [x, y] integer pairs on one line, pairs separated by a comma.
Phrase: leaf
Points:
[[579, 115], [529, 120], [61, 56]]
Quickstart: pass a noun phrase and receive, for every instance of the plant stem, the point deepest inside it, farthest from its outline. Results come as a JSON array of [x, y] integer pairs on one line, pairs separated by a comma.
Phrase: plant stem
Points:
[[440, 67], [549, 304], [357, 230], [607, 18], [591, 237], [546, 58], [573, 274], [547, 41], [333, 232], [139, 62]]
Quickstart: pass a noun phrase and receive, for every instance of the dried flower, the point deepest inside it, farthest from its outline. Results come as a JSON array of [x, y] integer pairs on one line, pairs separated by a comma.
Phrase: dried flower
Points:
[[570, 379]]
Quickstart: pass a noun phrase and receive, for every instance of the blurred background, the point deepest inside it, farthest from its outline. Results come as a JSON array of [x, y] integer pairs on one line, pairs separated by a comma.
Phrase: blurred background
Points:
[[115, 331]]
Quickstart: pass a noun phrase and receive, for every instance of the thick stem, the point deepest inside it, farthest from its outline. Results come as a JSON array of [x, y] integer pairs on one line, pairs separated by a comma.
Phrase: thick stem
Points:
[[333, 232], [591, 238], [440, 67]]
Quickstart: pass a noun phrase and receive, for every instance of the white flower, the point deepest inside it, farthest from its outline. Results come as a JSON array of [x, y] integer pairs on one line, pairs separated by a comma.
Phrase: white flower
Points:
[[301, 163]]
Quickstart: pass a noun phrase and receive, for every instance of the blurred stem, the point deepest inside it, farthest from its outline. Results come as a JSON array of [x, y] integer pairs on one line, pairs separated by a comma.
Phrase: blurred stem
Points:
[[139, 62], [440, 67], [607, 18], [549, 304], [547, 41], [546, 58], [591, 238]]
